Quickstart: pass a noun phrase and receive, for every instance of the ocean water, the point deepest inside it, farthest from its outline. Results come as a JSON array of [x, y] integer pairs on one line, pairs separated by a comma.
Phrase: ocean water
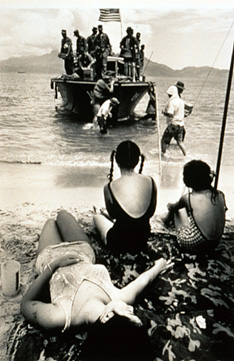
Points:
[[33, 131]]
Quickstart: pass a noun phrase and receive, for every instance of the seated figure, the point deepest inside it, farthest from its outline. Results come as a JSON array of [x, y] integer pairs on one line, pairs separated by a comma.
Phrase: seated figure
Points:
[[130, 202], [199, 215]]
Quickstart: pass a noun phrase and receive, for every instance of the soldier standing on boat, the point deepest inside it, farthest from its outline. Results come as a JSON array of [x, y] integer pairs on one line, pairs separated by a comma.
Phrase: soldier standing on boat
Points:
[[142, 59], [128, 46], [66, 52], [102, 50], [151, 106], [138, 39], [174, 112], [80, 43], [91, 42]]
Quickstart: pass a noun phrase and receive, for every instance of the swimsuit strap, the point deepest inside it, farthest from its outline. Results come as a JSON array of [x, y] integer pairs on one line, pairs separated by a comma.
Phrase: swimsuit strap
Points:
[[153, 192]]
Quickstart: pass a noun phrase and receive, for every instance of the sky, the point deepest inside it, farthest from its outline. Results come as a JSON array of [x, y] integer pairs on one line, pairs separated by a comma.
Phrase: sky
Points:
[[175, 33]]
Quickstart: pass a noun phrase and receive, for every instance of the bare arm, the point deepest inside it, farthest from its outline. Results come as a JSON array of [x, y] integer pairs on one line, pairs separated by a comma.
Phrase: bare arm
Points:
[[40, 313], [130, 292], [182, 203]]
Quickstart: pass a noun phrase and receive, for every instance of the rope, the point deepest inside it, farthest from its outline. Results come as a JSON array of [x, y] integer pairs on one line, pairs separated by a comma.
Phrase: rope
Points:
[[211, 68]]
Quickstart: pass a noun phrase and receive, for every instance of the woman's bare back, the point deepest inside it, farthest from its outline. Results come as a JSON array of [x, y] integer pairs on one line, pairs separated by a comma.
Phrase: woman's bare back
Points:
[[133, 193], [209, 213]]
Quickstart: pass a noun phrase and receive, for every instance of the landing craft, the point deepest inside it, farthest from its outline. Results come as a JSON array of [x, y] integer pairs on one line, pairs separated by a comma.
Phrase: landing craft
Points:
[[77, 93]]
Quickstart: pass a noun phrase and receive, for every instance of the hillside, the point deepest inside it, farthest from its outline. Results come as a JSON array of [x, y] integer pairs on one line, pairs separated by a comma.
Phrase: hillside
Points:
[[50, 63]]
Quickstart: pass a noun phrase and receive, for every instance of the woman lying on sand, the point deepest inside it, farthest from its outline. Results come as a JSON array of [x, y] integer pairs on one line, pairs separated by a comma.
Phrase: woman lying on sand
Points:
[[130, 201], [199, 215], [82, 293]]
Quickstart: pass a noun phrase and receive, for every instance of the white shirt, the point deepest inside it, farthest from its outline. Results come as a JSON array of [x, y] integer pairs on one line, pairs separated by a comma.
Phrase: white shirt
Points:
[[175, 107], [105, 109]]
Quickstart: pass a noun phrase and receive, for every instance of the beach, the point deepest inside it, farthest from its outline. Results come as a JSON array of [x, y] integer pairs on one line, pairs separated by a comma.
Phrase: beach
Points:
[[50, 161], [52, 187], [32, 193]]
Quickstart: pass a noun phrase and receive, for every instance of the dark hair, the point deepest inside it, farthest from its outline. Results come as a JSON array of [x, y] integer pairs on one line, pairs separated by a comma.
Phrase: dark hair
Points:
[[197, 175], [127, 156], [117, 340]]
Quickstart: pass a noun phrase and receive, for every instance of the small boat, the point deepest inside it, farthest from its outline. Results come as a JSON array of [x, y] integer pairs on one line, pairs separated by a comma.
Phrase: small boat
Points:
[[77, 93]]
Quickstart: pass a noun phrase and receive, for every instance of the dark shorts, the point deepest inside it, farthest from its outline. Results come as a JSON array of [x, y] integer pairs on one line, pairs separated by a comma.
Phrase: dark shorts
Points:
[[130, 60], [173, 131]]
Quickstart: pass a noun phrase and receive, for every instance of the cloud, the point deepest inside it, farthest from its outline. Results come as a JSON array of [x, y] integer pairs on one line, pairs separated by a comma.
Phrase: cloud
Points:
[[165, 30]]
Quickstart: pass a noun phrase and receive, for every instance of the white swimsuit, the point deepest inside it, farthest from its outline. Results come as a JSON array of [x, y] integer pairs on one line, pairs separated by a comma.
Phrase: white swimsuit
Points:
[[65, 282]]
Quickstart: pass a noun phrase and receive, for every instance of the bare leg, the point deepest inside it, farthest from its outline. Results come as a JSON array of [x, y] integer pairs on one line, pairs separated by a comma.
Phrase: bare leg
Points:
[[164, 146], [49, 235], [182, 147], [96, 108], [69, 228], [181, 218], [103, 225]]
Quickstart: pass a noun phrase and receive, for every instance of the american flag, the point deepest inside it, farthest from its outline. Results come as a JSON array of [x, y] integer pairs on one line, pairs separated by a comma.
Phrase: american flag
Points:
[[109, 15]]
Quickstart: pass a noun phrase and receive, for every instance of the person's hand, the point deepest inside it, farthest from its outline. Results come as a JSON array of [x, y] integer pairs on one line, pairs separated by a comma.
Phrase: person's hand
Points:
[[162, 265], [66, 260], [169, 264], [122, 309]]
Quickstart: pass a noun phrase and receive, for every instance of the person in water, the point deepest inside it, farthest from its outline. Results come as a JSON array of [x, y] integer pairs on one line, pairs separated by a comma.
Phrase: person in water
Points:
[[102, 91], [81, 293], [199, 215], [174, 112], [151, 106], [105, 113], [130, 201]]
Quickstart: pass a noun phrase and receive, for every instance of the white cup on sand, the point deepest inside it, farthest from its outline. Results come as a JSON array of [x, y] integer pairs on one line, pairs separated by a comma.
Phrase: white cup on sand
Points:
[[10, 274]]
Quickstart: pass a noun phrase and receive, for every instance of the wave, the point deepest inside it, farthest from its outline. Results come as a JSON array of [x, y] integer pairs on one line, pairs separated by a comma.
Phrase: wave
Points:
[[60, 162], [19, 162]]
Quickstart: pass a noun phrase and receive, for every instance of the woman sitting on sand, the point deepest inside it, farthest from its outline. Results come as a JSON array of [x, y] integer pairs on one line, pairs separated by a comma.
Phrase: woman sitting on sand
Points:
[[199, 215], [81, 292], [130, 201]]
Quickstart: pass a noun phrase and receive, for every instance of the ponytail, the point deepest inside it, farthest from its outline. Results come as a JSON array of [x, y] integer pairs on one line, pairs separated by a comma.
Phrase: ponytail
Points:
[[142, 163], [110, 175]]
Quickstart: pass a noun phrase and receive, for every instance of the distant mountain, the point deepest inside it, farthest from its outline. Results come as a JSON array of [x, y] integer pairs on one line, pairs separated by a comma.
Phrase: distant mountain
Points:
[[160, 70], [50, 63]]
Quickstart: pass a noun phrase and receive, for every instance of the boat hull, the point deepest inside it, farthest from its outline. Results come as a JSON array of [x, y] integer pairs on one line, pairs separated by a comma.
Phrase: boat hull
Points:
[[77, 95]]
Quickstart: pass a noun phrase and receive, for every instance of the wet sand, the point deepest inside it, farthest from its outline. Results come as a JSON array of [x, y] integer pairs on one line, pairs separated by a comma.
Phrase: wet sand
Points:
[[53, 186]]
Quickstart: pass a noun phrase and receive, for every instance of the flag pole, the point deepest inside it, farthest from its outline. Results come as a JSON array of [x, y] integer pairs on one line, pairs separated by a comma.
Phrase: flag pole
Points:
[[121, 29], [229, 84]]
